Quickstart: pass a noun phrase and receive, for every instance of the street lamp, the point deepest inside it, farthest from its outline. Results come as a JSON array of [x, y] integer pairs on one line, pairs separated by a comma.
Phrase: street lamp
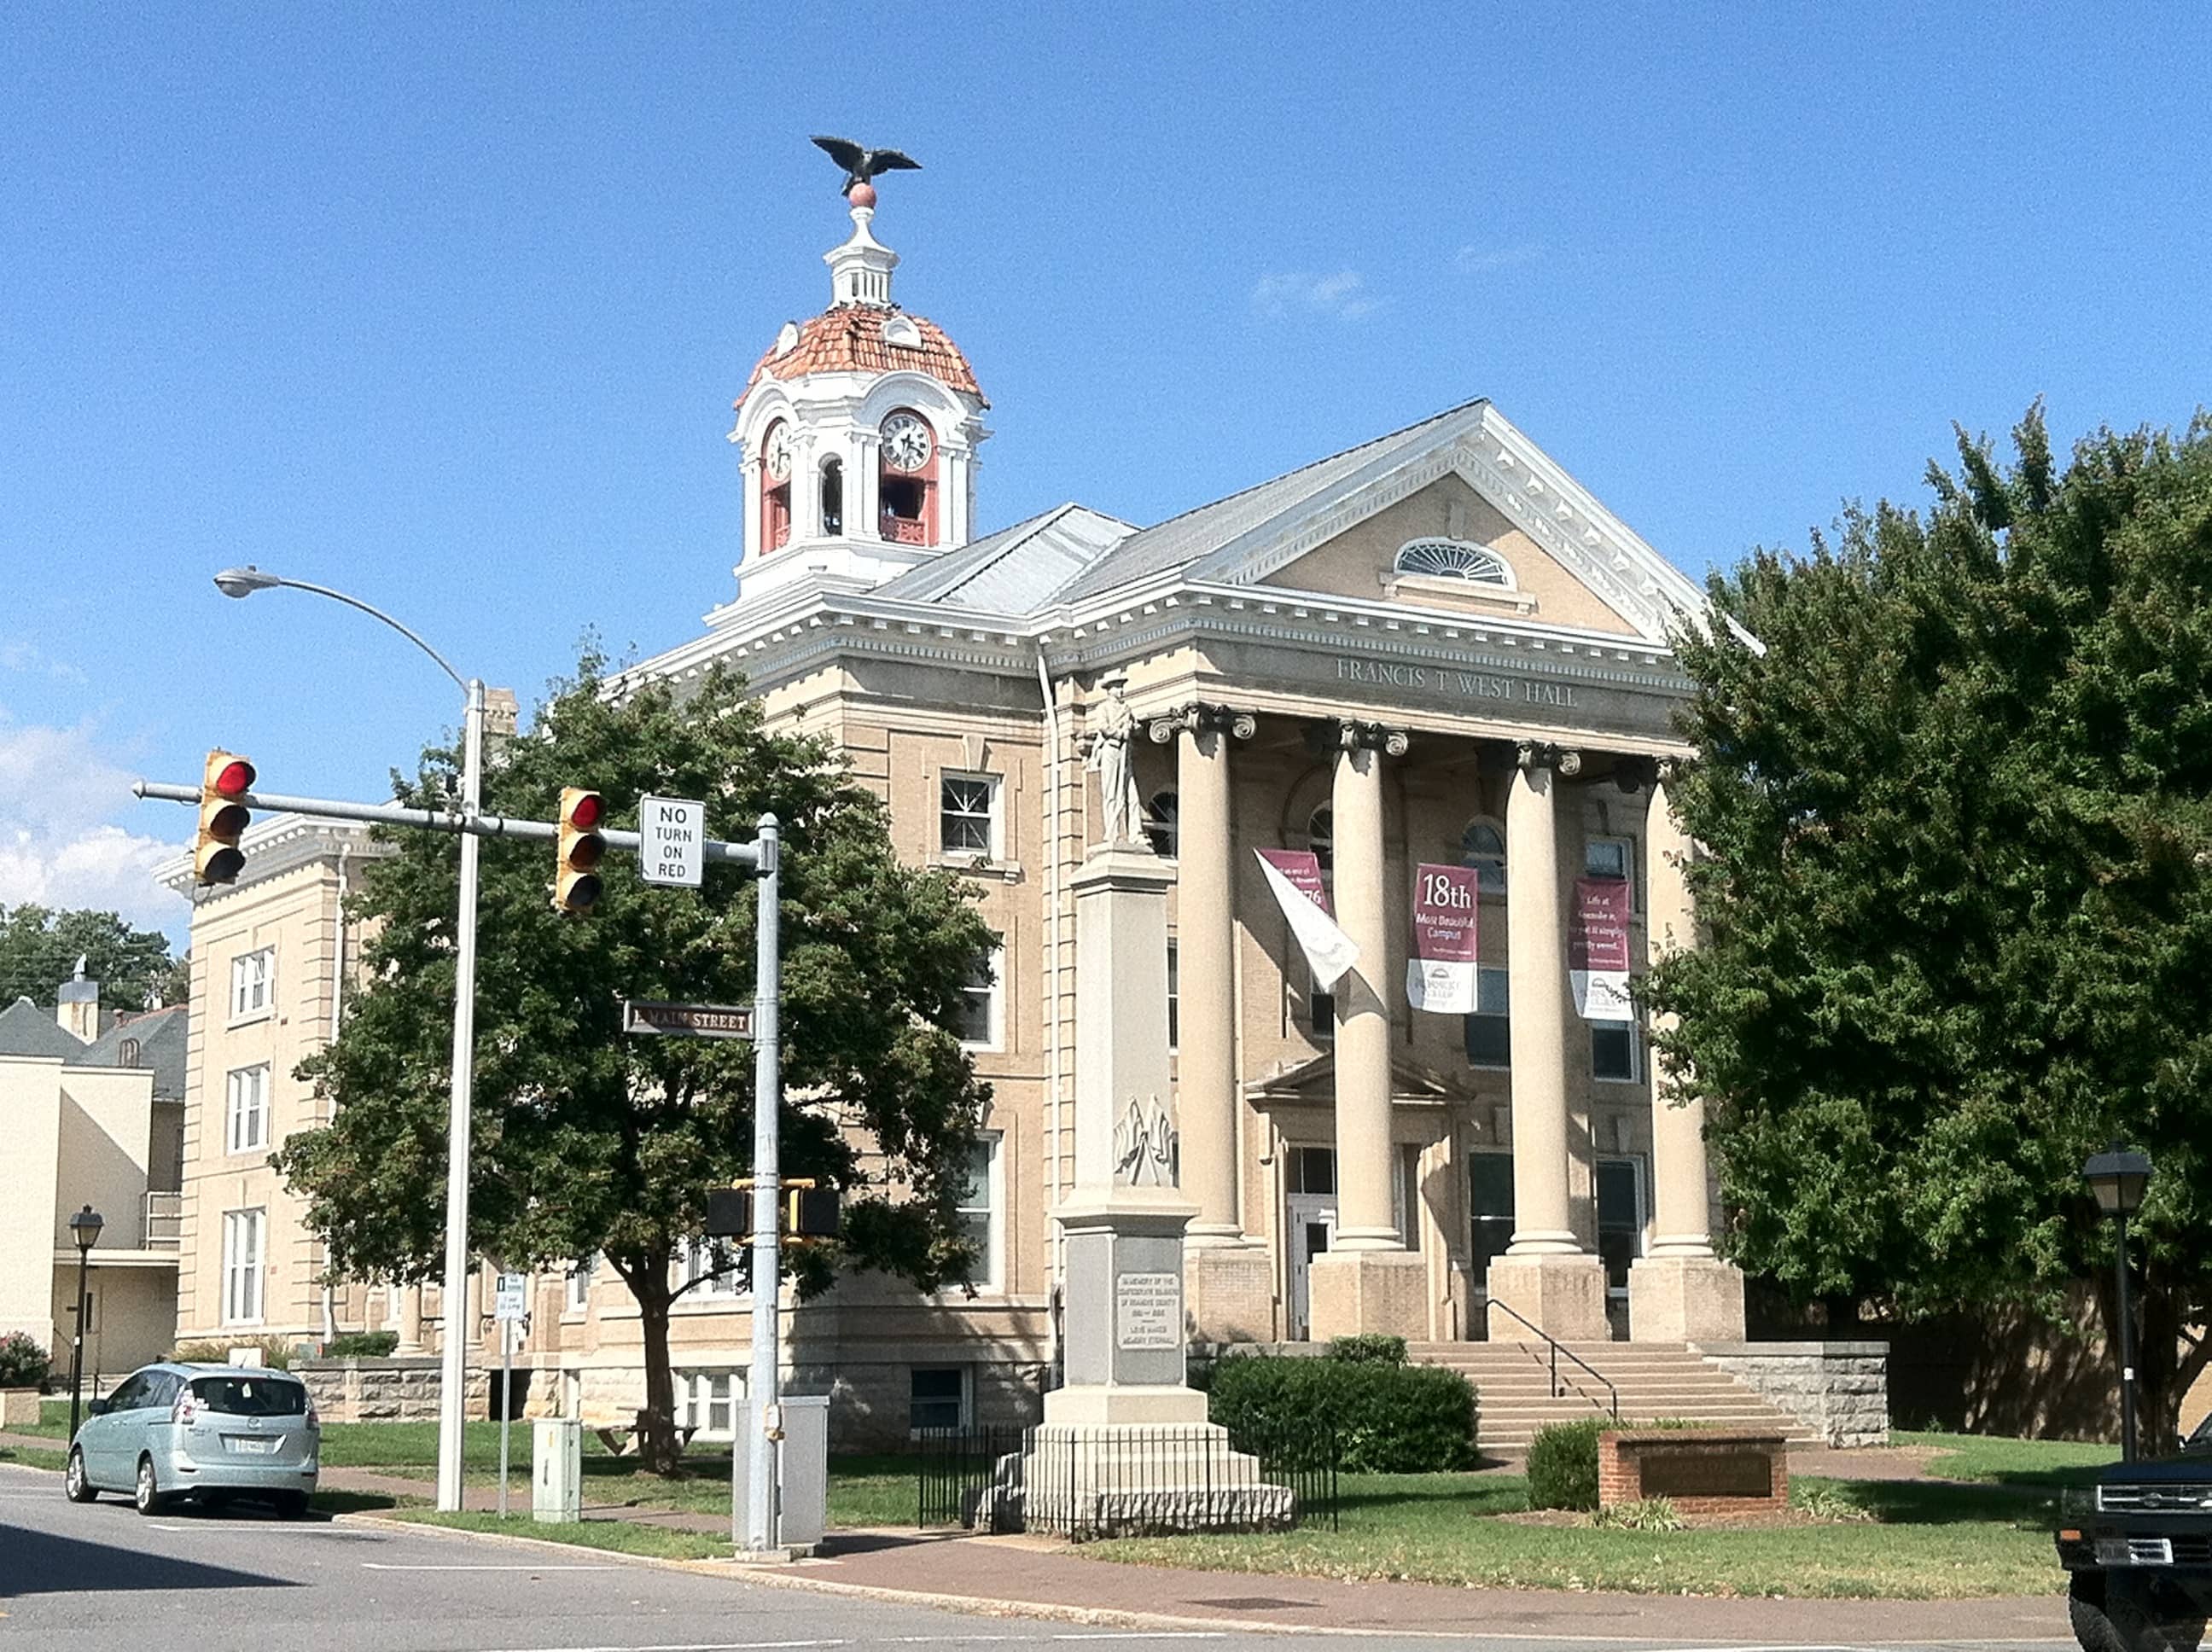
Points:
[[2118, 1177], [244, 582], [84, 1227]]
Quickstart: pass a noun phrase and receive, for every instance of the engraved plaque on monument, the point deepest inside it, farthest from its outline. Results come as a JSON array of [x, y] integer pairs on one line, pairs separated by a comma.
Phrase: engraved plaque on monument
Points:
[[1148, 1311]]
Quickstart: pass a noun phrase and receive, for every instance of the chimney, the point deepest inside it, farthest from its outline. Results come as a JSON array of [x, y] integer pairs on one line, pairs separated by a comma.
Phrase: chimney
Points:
[[76, 1005]]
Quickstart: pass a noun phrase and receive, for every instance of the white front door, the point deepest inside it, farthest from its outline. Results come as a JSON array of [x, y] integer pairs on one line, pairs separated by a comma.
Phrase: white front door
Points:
[[1312, 1221]]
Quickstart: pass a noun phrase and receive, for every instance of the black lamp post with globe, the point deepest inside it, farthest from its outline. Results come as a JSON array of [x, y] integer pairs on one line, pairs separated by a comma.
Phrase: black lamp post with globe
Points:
[[84, 1227], [2118, 1177]]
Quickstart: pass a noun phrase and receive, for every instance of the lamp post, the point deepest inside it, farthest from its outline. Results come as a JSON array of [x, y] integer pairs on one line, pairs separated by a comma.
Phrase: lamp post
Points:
[[244, 582], [2118, 1177], [84, 1227]]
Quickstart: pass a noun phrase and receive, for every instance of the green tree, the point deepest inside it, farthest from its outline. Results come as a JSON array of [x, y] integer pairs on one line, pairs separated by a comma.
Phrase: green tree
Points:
[[587, 1141], [1956, 801], [40, 947]]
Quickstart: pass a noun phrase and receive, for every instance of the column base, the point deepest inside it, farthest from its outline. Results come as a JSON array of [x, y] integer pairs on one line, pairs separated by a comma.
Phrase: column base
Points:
[[1563, 1296], [1229, 1294], [1368, 1292], [1123, 1404], [1684, 1299]]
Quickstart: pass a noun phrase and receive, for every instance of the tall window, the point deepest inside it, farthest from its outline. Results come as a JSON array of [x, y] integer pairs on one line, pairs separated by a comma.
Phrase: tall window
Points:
[[981, 1207], [1482, 846], [578, 1297], [242, 1266], [246, 1111], [1613, 1051], [706, 1402], [982, 1001], [833, 498], [1490, 1029], [1490, 1204], [1161, 823], [968, 815], [711, 1264], [252, 983], [1321, 837], [1174, 1019]]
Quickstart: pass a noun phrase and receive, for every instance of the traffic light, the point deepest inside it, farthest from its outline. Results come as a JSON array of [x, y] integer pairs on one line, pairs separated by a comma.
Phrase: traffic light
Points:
[[216, 857], [576, 869]]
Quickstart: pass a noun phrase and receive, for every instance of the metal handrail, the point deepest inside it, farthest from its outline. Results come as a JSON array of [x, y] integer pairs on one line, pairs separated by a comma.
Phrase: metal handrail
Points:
[[1557, 1350]]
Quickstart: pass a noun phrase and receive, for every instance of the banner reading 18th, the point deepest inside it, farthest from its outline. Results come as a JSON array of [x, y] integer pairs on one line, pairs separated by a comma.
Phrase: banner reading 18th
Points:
[[1597, 950], [1440, 976]]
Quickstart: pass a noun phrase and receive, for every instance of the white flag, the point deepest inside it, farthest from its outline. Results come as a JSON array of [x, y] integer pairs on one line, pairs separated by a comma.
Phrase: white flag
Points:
[[1329, 949]]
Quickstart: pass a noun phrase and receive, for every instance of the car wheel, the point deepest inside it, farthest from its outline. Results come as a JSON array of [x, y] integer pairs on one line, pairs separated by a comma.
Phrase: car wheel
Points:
[[147, 1498], [2107, 1620], [291, 1505], [75, 1485]]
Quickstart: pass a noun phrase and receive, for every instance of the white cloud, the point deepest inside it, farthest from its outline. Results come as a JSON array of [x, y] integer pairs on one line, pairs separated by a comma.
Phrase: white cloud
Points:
[[61, 840], [1476, 260], [1344, 295], [16, 655]]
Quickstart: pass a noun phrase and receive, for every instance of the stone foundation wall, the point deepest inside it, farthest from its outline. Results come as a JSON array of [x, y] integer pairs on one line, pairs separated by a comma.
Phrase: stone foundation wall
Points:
[[1840, 1390], [398, 1389]]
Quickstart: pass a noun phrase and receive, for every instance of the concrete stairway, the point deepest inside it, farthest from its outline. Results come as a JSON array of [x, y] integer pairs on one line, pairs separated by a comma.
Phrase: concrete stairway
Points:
[[1513, 1384]]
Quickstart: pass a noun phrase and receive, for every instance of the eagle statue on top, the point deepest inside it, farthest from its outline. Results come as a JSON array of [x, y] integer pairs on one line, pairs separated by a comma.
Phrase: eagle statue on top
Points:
[[861, 165]]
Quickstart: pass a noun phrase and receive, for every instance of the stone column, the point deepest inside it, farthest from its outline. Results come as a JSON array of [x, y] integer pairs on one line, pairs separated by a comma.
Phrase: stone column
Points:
[[410, 1320], [1228, 1280], [1680, 1292], [1546, 1274], [1368, 1282]]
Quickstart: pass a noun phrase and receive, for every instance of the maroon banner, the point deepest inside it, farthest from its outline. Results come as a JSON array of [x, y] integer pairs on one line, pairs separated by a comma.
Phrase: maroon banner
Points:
[[1597, 949], [1440, 976], [1300, 869]]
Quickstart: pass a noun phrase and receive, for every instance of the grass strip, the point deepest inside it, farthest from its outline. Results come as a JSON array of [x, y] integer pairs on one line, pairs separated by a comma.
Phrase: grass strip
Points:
[[33, 1457], [619, 1536]]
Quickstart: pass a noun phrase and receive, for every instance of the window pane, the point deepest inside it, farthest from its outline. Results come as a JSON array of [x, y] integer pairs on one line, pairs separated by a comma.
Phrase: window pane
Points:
[[1482, 846], [965, 814], [1606, 857], [934, 1398], [1612, 1049], [1161, 827], [1321, 836]]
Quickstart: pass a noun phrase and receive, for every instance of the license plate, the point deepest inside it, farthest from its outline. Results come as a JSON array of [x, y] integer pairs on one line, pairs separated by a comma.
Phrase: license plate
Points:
[[252, 1444]]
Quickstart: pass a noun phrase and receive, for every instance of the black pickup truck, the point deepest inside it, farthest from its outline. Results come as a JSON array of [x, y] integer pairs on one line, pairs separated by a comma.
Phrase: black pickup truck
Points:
[[2137, 1550]]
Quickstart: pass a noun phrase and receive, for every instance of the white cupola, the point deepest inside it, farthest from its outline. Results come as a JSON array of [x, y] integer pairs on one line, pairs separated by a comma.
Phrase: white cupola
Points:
[[858, 433]]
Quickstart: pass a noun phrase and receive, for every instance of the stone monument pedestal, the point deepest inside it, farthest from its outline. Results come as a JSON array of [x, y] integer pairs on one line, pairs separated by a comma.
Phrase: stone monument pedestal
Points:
[[1684, 1299]]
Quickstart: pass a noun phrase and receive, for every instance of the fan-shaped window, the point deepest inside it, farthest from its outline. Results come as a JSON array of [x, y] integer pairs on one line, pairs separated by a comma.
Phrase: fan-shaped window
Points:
[[1453, 559], [1482, 846], [1161, 824], [900, 330], [1321, 836]]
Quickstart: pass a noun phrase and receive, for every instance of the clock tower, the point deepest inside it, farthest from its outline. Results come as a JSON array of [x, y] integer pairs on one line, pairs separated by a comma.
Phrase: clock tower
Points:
[[857, 433]]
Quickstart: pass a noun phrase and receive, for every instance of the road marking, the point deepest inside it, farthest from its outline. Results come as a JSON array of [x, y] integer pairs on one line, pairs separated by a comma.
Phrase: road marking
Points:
[[394, 1565], [262, 1528]]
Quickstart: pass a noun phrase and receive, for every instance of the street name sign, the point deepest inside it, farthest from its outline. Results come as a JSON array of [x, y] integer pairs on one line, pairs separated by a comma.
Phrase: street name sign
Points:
[[688, 1020], [672, 840]]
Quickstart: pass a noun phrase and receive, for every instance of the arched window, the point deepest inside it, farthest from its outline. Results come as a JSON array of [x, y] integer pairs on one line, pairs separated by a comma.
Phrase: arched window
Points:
[[127, 1053], [906, 484], [775, 487], [833, 498], [1161, 825], [1482, 846], [1321, 836], [1453, 559]]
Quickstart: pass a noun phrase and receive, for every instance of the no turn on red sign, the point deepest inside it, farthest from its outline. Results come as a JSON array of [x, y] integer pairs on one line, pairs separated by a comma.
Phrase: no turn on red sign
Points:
[[673, 840]]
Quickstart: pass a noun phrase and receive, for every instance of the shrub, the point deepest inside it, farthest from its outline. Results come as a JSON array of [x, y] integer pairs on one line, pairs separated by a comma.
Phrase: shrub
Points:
[[274, 1351], [1563, 1464], [24, 1362], [1368, 1348], [360, 1345], [1823, 1502], [1640, 1514], [1386, 1419]]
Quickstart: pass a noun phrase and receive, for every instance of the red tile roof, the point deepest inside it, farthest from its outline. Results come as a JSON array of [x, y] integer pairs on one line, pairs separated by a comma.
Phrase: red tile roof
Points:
[[849, 338]]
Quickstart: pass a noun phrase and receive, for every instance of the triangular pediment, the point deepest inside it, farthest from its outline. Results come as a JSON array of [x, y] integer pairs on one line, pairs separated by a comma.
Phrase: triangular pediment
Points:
[[1314, 1081]]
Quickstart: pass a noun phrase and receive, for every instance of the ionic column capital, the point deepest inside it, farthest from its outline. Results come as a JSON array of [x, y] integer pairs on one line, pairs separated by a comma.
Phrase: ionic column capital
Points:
[[1202, 717], [1563, 761], [1354, 735]]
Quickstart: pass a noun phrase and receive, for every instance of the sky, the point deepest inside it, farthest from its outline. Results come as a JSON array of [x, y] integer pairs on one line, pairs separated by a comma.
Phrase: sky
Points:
[[447, 304]]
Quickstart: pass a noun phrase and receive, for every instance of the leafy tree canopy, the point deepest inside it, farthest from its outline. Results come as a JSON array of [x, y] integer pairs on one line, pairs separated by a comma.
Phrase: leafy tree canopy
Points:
[[588, 1141], [40, 947], [1956, 804]]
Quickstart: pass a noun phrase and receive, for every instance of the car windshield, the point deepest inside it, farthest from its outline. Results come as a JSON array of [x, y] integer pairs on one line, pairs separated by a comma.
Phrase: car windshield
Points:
[[251, 1396]]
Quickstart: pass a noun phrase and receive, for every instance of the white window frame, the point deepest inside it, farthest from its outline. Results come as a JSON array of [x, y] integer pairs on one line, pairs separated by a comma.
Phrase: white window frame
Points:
[[700, 1395], [246, 1109], [1627, 848], [253, 985], [1635, 1073], [993, 817], [967, 1412], [244, 1265], [993, 999], [990, 1278], [576, 1297], [695, 1258]]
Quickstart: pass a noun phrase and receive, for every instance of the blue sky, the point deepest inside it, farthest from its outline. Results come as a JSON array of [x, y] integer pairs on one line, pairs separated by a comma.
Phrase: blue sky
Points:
[[447, 305]]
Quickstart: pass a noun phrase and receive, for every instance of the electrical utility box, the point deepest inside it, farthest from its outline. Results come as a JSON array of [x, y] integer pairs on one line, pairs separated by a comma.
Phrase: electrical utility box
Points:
[[803, 1458], [557, 1484]]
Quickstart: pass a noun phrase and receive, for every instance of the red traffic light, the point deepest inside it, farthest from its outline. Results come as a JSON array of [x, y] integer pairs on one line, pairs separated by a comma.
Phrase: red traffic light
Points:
[[584, 813], [580, 849], [235, 780]]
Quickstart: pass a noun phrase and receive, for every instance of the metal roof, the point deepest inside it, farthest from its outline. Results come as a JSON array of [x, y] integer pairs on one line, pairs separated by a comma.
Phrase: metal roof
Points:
[[1017, 569]]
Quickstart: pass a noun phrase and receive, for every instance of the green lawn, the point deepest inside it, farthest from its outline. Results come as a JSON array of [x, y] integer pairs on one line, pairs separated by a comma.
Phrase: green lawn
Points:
[[1926, 1541], [33, 1457], [2038, 1464], [621, 1536]]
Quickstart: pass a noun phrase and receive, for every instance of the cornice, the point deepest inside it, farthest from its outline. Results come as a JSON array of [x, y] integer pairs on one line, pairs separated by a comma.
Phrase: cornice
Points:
[[273, 847]]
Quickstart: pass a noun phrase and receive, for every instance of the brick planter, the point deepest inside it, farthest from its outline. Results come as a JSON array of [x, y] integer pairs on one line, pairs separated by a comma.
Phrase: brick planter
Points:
[[1699, 1470]]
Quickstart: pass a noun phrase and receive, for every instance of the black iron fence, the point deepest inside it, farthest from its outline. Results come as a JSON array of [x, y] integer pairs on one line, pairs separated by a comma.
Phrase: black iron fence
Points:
[[1081, 1482]]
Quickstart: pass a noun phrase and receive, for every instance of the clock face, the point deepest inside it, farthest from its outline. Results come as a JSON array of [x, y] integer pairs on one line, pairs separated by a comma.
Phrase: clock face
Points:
[[906, 442], [779, 455]]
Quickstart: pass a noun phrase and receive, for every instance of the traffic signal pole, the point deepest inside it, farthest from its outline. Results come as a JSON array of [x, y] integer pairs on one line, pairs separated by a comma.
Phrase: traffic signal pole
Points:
[[762, 1399], [459, 1323]]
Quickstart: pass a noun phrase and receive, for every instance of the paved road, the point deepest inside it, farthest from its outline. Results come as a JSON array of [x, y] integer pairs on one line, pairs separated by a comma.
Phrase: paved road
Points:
[[101, 1579]]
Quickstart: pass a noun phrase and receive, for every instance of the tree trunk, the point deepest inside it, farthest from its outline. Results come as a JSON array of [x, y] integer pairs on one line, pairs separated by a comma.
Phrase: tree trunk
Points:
[[659, 1449], [2165, 1367]]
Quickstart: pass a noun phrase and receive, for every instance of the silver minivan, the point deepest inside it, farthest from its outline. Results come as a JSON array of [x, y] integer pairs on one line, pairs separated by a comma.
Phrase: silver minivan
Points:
[[209, 1432]]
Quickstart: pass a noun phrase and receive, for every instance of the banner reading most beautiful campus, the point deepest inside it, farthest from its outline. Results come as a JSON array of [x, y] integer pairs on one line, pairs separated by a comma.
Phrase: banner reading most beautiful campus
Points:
[[1440, 976], [1294, 878], [1597, 949]]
